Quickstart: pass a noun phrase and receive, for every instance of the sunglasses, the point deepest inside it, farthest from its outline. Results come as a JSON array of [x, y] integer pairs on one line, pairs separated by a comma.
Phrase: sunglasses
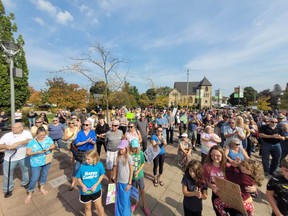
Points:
[[71, 122], [130, 126], [273, 122], [231, 122], [85, 124], [237, 144], [159, 130], [39, 122], [114, 125]]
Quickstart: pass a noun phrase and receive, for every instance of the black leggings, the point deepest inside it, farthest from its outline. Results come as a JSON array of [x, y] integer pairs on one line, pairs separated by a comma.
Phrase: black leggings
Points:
[[188, 212], [99, 144], [158, 161]]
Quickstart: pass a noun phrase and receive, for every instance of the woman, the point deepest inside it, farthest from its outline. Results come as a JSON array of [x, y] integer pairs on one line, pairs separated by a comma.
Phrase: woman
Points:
[[158, 140], [101, 129], [214, 166], [133, 133], [38, 123], [77, 121], [38, 149], [235, 153], [208, 140], [239, 122], [184, 150], [56, 132], [18, 116], [254, 136], [44, 118], [31, 115], [123, 123], [85, 141]]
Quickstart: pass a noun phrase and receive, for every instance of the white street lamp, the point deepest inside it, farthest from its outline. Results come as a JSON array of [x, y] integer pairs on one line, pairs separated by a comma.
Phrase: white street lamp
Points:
[[11, 49]]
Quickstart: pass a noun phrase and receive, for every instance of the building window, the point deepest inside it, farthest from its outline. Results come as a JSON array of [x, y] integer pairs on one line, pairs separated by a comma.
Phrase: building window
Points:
[[206, 101], [190, 100], [206, 88]]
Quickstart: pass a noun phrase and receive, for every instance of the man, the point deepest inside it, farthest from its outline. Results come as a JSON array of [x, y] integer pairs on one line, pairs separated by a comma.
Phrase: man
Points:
[[221, 125], [233, 132], [112, 140], [15, 140], [161, 121], [193, 123], [170, 129], [83, 116], [143, 126], [270, 145]]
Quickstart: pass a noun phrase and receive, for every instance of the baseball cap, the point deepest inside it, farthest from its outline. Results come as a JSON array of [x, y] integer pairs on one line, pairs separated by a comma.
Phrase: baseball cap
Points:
[[134, 143], [184, 135], [123, 144]]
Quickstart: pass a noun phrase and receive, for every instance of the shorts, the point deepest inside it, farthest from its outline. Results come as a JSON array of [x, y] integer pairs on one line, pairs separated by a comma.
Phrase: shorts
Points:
[[192, 135], [139, 183], [111, 159], [90, 197]]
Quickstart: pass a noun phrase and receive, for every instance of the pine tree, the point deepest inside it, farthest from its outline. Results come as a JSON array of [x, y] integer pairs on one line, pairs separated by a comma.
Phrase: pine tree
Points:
[[7, 30]]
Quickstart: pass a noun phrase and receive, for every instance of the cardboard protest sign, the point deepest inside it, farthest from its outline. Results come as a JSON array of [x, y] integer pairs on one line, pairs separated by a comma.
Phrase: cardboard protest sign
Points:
[[111, 194], [230, 193], [134, 193], [151, 152]]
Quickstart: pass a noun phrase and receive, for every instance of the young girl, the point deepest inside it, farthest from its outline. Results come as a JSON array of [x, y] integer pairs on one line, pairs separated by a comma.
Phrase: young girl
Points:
[[138, 175], [214, 166], [249, 173], [89, 177], [124, 172], [194, 189]]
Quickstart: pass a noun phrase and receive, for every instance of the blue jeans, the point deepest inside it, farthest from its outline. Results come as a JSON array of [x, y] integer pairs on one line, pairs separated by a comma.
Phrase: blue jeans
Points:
[[59, 142], [275, 151], [31, 122], [24, 166], [42, 172], [76, 168]]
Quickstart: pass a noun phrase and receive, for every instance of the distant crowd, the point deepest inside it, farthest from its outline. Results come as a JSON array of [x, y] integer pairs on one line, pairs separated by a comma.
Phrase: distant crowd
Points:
[[228, 140]]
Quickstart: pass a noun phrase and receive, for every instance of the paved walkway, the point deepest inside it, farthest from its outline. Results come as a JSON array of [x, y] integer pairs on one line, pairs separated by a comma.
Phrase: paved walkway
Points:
[[162, 200]]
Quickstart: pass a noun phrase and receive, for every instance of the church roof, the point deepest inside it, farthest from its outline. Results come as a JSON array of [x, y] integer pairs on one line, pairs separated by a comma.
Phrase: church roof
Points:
[[182, 86], [205, 82]]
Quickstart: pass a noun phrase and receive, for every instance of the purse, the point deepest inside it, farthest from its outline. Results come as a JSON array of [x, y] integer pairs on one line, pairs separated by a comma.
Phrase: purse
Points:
[[78, 155], [48, 156]]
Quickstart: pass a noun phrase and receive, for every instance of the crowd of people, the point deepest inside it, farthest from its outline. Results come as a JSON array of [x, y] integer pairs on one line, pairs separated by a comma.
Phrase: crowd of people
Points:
[[227, 140]]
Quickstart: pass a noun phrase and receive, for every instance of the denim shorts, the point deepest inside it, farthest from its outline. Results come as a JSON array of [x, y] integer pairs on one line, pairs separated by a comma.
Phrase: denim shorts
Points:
[[139, 183]]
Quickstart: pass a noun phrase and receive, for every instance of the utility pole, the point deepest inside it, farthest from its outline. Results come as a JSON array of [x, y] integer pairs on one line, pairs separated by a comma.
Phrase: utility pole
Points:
[[187, 87]]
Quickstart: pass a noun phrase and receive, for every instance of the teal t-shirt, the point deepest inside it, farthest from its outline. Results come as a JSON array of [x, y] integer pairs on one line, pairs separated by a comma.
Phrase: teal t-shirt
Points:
[[138, 160], [90, 174], [39, 159]]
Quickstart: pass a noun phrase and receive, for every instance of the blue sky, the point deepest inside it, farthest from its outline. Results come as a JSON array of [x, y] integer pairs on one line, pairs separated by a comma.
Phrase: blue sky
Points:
[[231, 42]]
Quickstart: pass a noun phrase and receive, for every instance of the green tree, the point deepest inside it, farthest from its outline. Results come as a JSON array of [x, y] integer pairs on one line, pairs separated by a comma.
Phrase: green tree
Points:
[[250, 96], [151, 94], [7, 29], [132, 91]]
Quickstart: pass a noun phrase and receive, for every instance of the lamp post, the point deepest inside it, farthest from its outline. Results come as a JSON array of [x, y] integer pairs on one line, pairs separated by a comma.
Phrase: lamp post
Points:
[[187, 87], [11, 49]]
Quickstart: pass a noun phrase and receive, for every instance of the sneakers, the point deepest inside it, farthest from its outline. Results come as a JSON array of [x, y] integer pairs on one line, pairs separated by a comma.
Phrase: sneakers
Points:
[[25, 186], [146, 211], [8, 194], [134, 207], [194, 149]]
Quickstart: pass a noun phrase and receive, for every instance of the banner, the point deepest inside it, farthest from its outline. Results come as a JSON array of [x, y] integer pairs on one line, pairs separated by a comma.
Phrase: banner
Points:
[[151, 152], [230, 193], [111, 194], [134, 193]]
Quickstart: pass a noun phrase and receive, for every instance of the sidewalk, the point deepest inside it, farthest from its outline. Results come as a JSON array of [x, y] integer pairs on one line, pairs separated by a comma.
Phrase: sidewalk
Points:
[[162, 200]]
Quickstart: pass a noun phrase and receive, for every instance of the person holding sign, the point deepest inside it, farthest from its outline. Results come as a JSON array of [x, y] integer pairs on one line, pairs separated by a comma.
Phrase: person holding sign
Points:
[[158, 140], [138, 174], [89, 177], [247, 174], [194, 189]]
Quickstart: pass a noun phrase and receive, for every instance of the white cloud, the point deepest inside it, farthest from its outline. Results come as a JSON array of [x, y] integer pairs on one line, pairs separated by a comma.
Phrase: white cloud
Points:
[[61, 17], [39, 21], [9, 4], [86, 10], [64, 17]]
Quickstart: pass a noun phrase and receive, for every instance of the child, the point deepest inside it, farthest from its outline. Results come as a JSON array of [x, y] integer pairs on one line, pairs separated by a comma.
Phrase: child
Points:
[[277, 190], [193, 188], [249, 173], [138, 175], [124, 172], [89, 177]]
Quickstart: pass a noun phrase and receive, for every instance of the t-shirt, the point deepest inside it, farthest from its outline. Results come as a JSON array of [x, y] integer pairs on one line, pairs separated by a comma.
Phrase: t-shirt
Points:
[[229, 130], [233, 155], [81, 136], [138, 160], [142, 127], [113, 139], [206, 145], [279, 184], [161, 146], [90, 174], [56, 131], [210, 172], [234, 175], [266, 129], [10, 139], [39, 159], [193, 203], [123, 169]]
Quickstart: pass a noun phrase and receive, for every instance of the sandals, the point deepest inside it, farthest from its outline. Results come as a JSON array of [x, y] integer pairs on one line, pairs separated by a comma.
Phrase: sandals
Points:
[[155, 182], [161, 183], [28, 199]]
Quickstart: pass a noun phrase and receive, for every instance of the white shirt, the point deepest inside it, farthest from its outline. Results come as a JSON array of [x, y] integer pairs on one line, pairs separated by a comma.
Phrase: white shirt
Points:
[[18, 115], [10, 139]]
